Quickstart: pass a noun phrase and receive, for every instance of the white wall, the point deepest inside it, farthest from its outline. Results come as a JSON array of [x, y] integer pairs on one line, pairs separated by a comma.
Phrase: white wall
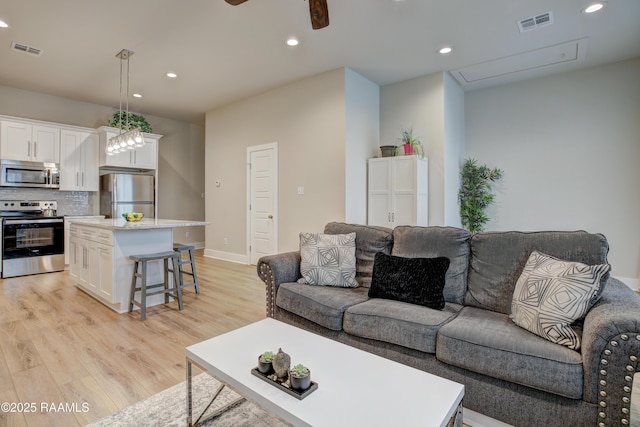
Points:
[[180, 157], [419, 104], [569, 145], [454, 135], [362, 99], [307, 120]]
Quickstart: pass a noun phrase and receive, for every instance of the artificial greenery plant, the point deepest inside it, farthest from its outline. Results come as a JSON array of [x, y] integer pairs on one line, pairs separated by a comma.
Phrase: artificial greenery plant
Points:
[[475, 194], [135, 121]]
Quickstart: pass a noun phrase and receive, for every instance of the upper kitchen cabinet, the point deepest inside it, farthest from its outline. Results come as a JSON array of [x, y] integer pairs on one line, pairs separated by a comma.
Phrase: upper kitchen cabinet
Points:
[[30, 142], [78, 161], [145, 157]]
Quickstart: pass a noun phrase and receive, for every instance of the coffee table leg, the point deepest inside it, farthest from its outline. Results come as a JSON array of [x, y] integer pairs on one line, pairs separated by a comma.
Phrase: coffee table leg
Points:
[[221, 410], [189, 396]]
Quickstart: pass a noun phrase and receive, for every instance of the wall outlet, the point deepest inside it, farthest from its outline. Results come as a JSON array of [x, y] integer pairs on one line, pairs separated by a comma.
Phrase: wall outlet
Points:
[[226, 241], [187, 234]]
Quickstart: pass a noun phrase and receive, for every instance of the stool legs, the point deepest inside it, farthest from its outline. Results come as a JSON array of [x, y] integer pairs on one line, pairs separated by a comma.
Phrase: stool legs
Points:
[[140, 271], [179, 249], [192, 261], [176, 279]]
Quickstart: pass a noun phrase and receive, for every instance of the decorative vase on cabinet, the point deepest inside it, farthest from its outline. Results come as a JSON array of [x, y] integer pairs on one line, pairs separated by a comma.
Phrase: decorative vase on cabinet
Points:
[[398, 191]]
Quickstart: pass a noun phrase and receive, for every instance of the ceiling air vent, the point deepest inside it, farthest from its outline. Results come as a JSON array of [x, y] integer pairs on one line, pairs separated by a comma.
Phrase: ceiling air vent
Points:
[[26, 49], [535, 22]]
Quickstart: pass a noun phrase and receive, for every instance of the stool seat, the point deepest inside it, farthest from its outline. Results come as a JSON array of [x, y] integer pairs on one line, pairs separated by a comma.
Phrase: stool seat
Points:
[[152, 257], [140, 271], [179, 248]]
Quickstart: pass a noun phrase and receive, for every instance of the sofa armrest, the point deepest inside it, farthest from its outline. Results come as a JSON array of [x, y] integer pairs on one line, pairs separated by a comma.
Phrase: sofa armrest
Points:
[[277, 269], [610, 352]]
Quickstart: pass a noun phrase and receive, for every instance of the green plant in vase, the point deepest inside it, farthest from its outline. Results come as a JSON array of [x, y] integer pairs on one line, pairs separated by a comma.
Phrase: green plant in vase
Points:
[[410, 143], [475, 194], [265, 361], [300, 377]]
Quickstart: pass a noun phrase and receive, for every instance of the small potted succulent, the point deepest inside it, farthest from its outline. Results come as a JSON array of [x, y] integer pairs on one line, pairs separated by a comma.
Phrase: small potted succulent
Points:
[[300, 377], [264, 362]]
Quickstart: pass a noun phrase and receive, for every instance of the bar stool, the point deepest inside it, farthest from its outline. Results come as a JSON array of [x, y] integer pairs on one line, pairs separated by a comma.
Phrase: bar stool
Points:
[[140, 271], [180, 248]]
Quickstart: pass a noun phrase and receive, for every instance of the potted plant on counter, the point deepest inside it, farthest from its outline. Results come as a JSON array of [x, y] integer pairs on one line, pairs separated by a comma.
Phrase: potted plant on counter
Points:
[[300, 377]]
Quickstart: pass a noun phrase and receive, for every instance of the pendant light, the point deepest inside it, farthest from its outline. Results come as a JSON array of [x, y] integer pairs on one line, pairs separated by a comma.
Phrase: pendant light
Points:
[[127, 139]]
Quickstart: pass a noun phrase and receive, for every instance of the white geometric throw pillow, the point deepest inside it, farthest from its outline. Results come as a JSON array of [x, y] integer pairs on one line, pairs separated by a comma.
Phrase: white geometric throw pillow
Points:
[[328, 259], [551, 294]]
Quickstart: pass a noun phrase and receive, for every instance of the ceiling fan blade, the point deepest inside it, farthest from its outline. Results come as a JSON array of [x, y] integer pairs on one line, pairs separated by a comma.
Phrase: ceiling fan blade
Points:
[[319, 14], [235, 2]]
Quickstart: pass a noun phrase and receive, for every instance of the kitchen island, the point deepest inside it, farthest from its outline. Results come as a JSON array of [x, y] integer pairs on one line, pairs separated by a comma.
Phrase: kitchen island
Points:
[[99, 251]]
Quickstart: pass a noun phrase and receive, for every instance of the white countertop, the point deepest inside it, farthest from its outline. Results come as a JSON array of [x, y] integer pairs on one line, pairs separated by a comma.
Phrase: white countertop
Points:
[[145, 224]]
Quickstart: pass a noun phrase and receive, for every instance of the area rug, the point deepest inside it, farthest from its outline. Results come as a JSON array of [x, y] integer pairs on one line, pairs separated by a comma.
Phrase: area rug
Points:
[[168, 408]]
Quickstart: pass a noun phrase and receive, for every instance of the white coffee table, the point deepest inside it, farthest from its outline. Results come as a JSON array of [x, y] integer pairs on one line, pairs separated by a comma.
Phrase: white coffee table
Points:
[[354, 387]]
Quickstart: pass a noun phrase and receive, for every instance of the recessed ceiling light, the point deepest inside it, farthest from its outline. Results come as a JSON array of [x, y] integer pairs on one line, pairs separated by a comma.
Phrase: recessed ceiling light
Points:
[[137, 95], [594, 7], [4, 24], [172, 75], [292, 41], [445, 50]]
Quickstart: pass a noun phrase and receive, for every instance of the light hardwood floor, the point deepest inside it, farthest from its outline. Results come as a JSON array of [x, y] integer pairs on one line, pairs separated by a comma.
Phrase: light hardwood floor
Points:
[[60, 346]]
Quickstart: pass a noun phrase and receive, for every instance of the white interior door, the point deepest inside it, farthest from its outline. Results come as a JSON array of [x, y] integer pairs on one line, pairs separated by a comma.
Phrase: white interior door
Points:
[[262, 201]]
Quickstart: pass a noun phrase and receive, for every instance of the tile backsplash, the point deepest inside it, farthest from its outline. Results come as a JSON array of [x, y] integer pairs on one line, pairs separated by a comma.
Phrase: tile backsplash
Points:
[[69, 202]]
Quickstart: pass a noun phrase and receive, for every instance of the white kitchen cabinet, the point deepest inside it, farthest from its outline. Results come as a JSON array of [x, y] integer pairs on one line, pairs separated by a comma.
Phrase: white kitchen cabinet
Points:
[[145, 157], [91, 261], [70, 254], [29, 142], [78, 161], [397, 191]]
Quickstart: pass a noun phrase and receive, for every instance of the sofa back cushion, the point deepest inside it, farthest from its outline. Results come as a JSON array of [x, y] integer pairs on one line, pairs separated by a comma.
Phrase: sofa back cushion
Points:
[[433, 242], [497, 260], [369, 241]]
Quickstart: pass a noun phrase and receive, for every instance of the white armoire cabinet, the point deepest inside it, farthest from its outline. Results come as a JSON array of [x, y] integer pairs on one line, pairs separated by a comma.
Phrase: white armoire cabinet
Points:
[[398, 191]]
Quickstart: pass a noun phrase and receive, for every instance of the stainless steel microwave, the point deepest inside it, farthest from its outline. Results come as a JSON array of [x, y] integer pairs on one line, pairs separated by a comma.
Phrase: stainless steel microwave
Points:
[[16, 173]]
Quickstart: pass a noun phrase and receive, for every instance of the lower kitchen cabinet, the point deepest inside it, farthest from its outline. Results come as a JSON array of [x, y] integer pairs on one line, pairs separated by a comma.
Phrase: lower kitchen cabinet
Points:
[[91, 261]]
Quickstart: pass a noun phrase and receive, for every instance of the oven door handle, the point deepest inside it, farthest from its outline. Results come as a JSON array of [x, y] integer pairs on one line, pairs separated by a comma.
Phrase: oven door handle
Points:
[[32, 221]]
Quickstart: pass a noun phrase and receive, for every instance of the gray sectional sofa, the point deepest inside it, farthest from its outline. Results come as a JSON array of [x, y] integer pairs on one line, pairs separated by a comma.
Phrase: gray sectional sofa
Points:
[[509, 373]]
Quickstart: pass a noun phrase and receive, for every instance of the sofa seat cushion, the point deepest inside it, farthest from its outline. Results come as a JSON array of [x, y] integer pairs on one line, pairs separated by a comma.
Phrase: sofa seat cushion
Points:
[[489, 343], [324, 305], [409, 325]]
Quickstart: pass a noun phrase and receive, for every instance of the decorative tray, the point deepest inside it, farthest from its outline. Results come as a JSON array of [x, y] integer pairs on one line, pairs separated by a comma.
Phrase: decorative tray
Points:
[[284, 386]]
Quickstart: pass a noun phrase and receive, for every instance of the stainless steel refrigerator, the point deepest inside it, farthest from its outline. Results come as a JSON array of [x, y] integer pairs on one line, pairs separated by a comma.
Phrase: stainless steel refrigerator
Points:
[[122, 192]]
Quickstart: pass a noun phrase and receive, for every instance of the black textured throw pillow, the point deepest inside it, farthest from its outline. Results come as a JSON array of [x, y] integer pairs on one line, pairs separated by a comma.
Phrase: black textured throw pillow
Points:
[[412, 280]]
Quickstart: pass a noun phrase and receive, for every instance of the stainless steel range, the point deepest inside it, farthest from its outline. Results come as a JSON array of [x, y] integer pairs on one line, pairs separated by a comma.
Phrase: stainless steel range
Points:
[[32, 237]]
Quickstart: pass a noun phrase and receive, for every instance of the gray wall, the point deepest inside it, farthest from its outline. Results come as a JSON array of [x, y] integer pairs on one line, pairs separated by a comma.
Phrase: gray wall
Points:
[[180, 157], [307, 120], [569, 145], [362, 99]]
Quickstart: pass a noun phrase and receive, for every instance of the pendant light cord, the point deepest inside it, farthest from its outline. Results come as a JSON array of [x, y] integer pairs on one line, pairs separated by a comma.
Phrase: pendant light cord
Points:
[[120, 124]]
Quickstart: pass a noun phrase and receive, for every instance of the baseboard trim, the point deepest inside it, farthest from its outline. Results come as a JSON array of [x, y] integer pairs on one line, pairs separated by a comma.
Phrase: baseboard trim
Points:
[[227, 256]]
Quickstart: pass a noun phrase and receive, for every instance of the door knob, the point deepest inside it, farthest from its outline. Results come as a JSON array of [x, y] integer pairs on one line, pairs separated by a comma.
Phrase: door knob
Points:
[[270, 217]]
